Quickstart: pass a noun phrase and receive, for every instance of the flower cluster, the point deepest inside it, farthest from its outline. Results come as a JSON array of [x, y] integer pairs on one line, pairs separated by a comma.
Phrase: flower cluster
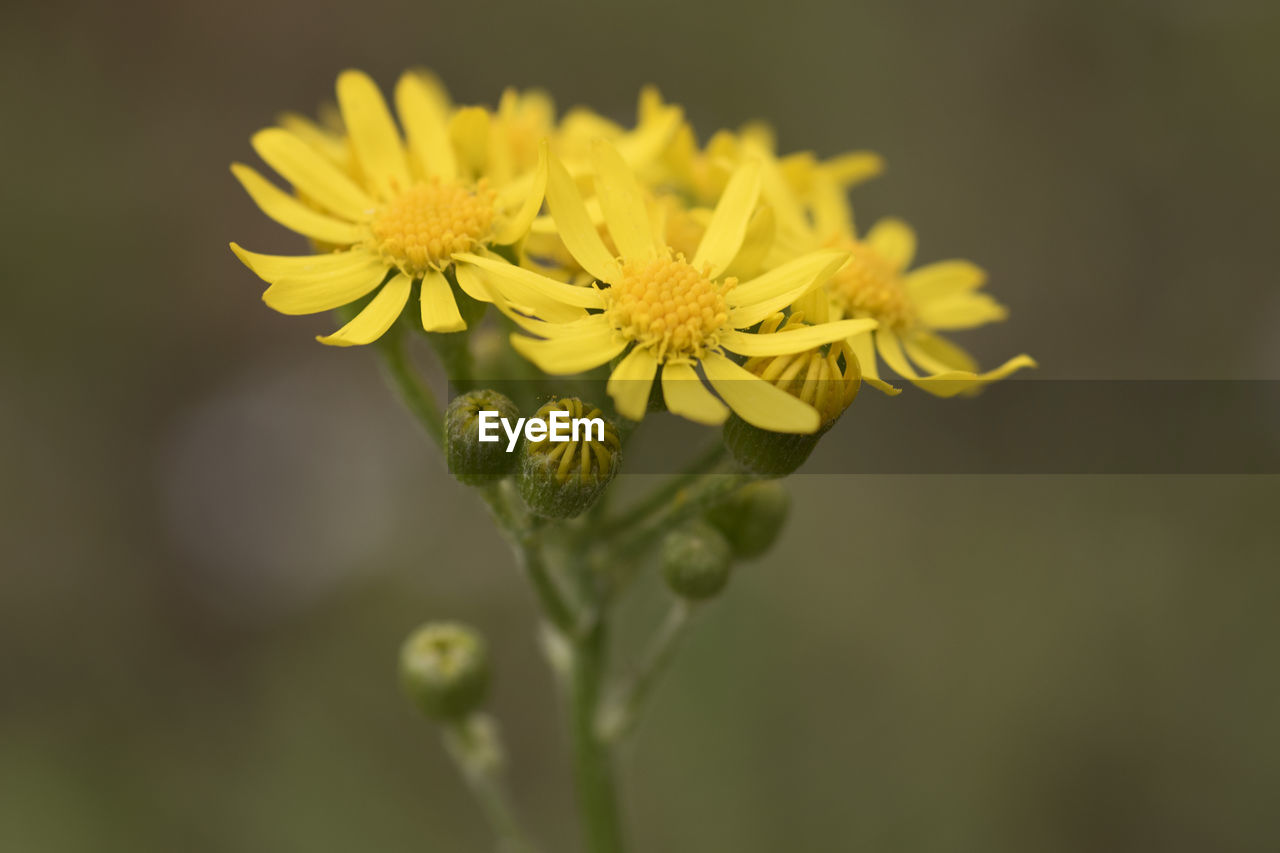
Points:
[[715, 280]]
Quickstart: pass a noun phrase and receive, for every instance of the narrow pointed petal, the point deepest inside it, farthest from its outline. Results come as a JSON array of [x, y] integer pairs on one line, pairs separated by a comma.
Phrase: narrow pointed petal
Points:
[[622, 201], [864, 350], [311, 294], [685, 395], [593, 346], [469, 131], [631, 381], [376, 317], [574, 223], [936, 354], [522, 281], [728, 226], [962, 312], [373, 133], [796, 340], [292, 213], [426, 127], [439, 308], [310, 173], [756, 401], [517, 226], [272, 268], [945, 279]]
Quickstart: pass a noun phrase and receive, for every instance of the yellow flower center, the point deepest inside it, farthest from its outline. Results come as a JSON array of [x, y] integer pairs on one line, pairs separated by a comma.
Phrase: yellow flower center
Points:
[[669, 305], [426, 225], [869, 285]]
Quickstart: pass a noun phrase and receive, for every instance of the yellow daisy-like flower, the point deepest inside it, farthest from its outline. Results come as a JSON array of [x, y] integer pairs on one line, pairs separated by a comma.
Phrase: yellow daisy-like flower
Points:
[[825, 377], [911, 306], [400, 213], [666, 313]]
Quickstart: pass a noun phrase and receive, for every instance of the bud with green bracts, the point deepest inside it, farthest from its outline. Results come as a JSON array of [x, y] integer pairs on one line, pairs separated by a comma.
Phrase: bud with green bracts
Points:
[[444, 670], [752, 517], [562, 479], [696, 560], [471, 460]]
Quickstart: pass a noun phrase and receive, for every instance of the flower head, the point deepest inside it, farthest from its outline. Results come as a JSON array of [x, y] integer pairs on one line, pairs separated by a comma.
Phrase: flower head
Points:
[[395, 214], [663, 312]]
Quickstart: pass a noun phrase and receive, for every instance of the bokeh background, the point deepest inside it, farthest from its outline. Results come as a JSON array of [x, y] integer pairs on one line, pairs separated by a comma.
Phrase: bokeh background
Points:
[[214, 532]]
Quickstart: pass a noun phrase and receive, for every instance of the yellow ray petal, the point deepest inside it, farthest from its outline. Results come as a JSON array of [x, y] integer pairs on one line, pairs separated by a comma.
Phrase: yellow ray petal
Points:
[[936, 354], [310, 173], [962, 312], [864, 350], [272, 268], [756, 401], [520, 281], [469, 130], [894, 240], [594, 345], [293, 214], [944, 280], [631, 381], [478, 286], [640, 147], [622, 201], [373, 133], [574, 223], [832, 214], [425, 126], [439, 308], [328, 143], [309, 294], [515, 227], [802, 273], [728, 226], [795, 340], [375, 318], [686, 396], [853, 167]]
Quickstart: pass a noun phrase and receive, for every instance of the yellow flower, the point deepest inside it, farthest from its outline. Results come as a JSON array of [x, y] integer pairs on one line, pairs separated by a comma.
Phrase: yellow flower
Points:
[[911, 306], [666, 313], [825, 377], [399, 213]]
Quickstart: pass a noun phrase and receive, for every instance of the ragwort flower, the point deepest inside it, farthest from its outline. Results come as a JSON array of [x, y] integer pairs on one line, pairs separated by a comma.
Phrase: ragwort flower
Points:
[[398, 213], [666, 313]]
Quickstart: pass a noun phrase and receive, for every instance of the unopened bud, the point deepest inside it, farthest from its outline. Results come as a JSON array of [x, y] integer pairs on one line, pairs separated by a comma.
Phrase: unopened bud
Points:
[[471, 460], [444, 670], [562, 479], [752, 517], [696, 560]]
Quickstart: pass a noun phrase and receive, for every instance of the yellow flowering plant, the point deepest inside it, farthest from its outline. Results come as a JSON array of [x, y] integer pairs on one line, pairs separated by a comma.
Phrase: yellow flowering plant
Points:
[[722, 283]]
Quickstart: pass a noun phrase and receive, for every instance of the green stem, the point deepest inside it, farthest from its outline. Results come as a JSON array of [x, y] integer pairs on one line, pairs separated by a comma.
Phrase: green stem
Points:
[[415, 394], [666, 493], [592, 759], [474, 746], [621, 711]]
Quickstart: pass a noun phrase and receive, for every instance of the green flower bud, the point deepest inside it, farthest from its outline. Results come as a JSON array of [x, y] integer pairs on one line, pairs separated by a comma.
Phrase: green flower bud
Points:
[[696, 560], [826, 377], [753, 517], [471, 460], [561, 479], [444, 670]]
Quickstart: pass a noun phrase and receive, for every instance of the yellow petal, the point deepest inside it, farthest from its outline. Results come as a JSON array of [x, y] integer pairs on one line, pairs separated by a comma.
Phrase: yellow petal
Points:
[[944, 280], [293, 214], [623, 204], [795, 340], [686, 396], [574, 223], [728, 226], [864, 350], [936, 354], [962, 312], [778, 288], [483, 288], [853, 167], [310, 294], [373, 133], [272, 268], [328, 143], [893, 240], [631, 381], [425, 126], [514, 228], [439, 308], [756, 401], [832, 215], [310, 173], [640, 147], [534, 286], [594, 345], [376, 317], [469, 130], [472, 283]]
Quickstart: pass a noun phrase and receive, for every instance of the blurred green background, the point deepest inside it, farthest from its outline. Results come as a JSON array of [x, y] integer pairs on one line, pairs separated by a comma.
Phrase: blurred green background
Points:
[[215, 532]]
